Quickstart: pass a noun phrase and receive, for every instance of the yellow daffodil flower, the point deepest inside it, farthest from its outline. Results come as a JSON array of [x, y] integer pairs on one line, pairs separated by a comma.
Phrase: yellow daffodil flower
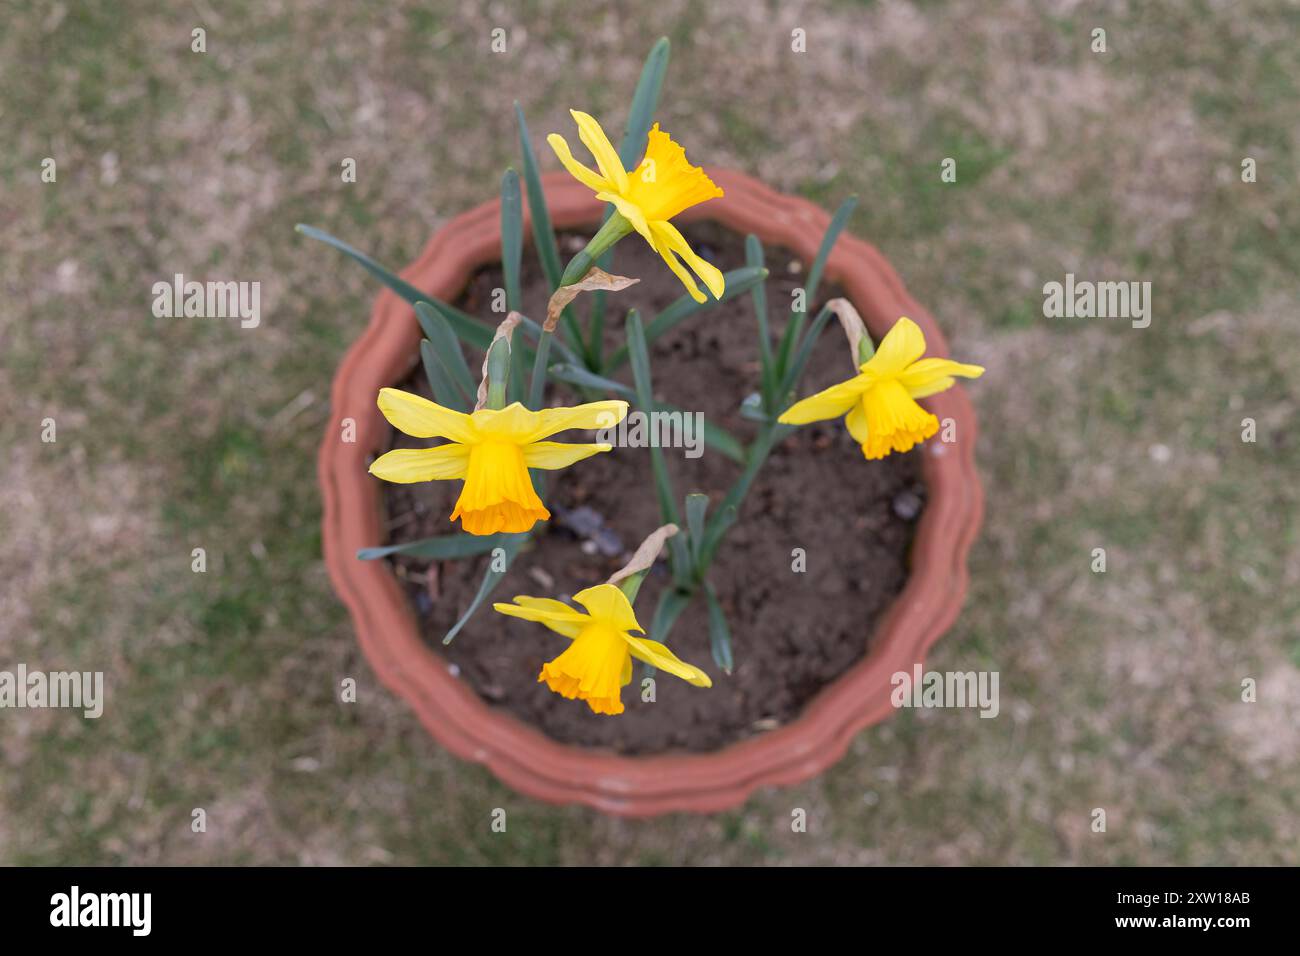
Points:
[[879, 404], [598, 664], [663, 185], [492, 450]]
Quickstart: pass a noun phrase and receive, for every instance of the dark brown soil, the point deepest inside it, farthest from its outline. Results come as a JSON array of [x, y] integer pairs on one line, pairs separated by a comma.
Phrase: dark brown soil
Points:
[[792, 632]]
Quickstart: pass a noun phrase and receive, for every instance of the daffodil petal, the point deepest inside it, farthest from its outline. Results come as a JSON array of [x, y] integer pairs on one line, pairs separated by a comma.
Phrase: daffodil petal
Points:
[[631, 212], [548, 421], [556, 615], [594, 138], [901, 346], [513, 422], [666, 253], [658, 655], [829, 403], [708, 272], [578, 171], [932, 375], [422, 418], [856, 422], [550, 455], [408, 465], [608, 605]]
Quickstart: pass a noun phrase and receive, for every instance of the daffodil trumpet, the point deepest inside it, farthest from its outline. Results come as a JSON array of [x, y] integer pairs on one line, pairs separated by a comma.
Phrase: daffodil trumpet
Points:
[[879, 404], [604, 637], [662, 185]]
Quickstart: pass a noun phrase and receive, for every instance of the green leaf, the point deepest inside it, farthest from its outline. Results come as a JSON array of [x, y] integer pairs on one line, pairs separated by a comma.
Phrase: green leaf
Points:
[[466, 326], [512, 258], [791, 381], [671, 604], [512, 238], [537, 385], [717, 438], [442, 547], [511, 544], [696, 508], [548, 250], [739, 281], [446, 348], [644, 102], [719, 633], [584, 378], [445, 391], [758, 293], [468, 329], [838, 222], [534, 333], [645, 400], [794, 328]]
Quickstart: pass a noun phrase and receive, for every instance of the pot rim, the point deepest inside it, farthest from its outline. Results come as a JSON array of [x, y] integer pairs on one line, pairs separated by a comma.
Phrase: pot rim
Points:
[[524, 758]]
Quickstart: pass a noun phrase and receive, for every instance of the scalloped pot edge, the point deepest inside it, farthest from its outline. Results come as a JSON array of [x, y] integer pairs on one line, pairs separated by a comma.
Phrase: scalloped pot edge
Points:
[[522, 757]]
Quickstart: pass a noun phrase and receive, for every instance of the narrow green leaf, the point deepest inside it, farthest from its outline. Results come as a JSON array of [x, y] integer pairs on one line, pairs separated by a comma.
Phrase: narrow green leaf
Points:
[[534, 333], [645, 400], [791, 381], [512, 258], [537, 385], [548, 250], [466, 326], [696, 508], [671, 604], [445, 391], [719, 633], [446, 347], [717, 438], [739, 281], [838, 222], [511, 544], [758, 294], [595, 347], [468, 329], [584, 378], [512, 238], [442, 547], [644, 102], [794, 328]]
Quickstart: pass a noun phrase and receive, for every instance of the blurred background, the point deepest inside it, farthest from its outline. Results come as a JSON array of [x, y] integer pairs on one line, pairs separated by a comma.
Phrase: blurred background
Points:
[[1119, 690]]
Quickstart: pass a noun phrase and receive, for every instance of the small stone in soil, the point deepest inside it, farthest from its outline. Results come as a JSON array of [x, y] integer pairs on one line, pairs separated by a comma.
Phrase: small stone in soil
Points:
[[907, 505], [589, 525]]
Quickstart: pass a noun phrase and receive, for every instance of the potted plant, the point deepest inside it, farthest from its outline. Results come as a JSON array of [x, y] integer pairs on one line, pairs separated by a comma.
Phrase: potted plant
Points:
[[807, 566]]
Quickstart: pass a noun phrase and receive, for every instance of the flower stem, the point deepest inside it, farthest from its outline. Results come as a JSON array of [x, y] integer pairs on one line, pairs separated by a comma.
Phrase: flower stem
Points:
[[614, 229]]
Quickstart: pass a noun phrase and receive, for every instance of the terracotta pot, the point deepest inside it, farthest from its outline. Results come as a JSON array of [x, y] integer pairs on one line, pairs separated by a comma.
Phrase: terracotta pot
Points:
[[519, 755]]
